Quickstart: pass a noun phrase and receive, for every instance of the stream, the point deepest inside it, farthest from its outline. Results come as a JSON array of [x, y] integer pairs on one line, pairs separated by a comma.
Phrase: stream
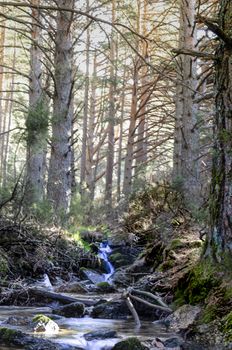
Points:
[[72, 330]]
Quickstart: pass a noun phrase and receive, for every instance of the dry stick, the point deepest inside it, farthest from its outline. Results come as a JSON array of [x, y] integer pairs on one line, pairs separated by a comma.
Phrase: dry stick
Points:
[[133, 311], [159, 307], [150, 295]]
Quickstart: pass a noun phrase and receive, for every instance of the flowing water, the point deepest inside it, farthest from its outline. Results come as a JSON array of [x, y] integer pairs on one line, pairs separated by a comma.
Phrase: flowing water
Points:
[[104, 252], [73, 329]]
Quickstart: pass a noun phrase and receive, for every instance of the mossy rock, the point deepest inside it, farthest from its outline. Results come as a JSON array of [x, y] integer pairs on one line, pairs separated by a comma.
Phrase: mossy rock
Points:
[[119, 259], [41, 318], [105, 287], [130, 344], [7, 335], [195, 287]]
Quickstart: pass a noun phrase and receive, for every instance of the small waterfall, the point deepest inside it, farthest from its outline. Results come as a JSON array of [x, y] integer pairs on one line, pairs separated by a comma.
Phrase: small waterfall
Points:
[[104, 251]]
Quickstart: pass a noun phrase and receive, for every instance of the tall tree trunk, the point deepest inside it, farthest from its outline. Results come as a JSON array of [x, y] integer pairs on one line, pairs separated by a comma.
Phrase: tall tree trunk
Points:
[[120, 141], [59, 181], [127, 183], [91, 128], [220, 236], [2, 137], [186, 135], [86, 113], [37, 119], [6, 148], [111, 122], [141, 151]]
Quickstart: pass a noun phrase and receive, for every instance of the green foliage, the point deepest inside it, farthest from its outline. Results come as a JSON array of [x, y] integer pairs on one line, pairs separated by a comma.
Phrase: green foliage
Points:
[[43, 212], [37, 121], [227, 326], [209, 314]]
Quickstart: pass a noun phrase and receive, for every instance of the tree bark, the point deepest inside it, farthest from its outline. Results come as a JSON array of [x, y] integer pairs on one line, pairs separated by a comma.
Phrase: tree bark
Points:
[[186, 134], [59, 181], [220, 236], [111, 120], [37, 120]]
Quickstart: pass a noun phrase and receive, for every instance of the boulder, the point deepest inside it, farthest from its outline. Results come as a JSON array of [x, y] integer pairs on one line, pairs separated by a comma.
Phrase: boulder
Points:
[[43, 324], [130, 344], [101, 334], [183, 317], [91, 275], [72, 287], [76, 310], [173, 343], [116, 309], [18, 321], [14, 338], [105, 287]]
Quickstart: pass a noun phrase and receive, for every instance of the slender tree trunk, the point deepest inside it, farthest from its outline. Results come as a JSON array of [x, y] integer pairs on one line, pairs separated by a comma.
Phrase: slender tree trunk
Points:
[[59, 181], [91, 128], [2, 137], [141, 151], [86, 114], [220, 236], [120, 141], [127, 183], [37, 120], [111, 122], [6, 150], [186, 135]]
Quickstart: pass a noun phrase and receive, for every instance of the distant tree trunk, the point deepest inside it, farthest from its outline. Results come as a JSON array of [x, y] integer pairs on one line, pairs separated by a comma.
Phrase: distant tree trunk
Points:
[[127, 183], [111, 120], [141, 151], [2, 137], [120, 141], [59, 181], [86, 113], [90, 139], [186, 135], [37, 119], [220, 236], [9, 111]]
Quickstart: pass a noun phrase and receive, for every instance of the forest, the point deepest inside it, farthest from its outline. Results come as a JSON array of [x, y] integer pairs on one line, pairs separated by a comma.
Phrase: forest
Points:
[[116, 174]]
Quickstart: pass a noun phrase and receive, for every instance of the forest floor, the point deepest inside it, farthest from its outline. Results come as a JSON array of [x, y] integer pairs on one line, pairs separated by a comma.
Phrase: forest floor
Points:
[[157, 248]]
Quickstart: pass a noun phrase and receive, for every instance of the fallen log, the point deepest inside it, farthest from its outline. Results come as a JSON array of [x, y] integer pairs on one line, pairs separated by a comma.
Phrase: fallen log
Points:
[[65, 299]]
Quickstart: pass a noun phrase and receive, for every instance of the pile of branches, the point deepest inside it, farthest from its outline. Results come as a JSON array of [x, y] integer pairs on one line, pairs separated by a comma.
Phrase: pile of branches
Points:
[[28, 250]]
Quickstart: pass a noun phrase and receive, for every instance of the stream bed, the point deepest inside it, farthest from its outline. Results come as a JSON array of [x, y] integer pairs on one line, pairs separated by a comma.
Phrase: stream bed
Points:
[[73, 329]]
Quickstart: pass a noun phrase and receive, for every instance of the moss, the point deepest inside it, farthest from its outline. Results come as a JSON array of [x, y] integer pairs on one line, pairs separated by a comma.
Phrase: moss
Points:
[[41, 318], [116, 256], [166, 265], [209, 314], [176, 244], [226, 327], [129, 344], [195, 287], [3, 266], [7, 334]]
